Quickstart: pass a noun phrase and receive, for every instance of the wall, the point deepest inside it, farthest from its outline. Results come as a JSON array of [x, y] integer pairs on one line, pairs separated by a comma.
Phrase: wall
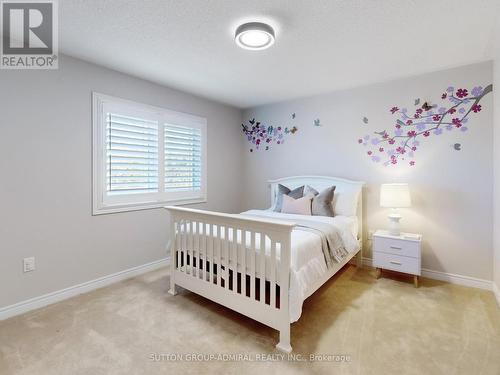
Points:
[[45, 188], [496, 168], [451, 190]]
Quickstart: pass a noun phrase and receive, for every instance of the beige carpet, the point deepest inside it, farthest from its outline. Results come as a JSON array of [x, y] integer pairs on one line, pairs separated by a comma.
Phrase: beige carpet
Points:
[[383, 326]]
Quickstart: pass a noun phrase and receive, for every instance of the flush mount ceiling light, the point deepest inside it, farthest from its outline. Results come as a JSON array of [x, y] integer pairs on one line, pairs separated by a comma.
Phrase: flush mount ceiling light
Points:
[[254, 36]]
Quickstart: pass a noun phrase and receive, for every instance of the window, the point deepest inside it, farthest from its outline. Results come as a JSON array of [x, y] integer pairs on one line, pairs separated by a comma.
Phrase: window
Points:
[[145, 157]]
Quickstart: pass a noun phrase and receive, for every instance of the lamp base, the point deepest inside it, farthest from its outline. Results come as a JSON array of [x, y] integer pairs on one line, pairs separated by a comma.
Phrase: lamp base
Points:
[[394, 227]]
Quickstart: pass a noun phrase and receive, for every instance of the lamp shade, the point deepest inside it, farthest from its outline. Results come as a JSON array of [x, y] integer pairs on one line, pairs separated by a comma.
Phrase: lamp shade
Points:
[[395, 195]]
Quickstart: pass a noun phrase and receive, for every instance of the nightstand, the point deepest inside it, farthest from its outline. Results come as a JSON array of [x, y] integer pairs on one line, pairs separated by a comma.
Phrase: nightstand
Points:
[[397, 253]]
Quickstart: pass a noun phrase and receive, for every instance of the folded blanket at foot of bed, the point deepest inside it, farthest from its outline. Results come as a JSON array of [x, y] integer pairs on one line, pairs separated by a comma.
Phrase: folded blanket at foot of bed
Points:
[[331, 241]]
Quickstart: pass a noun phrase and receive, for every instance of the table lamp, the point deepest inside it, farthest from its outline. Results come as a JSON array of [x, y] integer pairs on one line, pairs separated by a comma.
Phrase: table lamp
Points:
[[394, 196]]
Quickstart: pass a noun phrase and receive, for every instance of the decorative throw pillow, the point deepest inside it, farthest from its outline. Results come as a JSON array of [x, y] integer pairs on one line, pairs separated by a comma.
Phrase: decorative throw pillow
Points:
[[322, 203], [301, 206], [309, 190], [283, 190], [345, 202]]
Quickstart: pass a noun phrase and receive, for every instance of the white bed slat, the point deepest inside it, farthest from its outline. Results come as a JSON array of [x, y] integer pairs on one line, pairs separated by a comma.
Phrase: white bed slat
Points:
[[204, 250], [192, 232], [200, 238], [189, 252], [243, 262], [194, 254], [226, 258], [234, 258], [272, 281], [252, 265], [183, 246], [217, 258], [210, 267], [177, 245], [262, 272]]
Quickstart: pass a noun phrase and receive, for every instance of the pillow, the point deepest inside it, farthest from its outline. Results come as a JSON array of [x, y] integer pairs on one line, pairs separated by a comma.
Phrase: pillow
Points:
[[345, 202], [301, 206], [283, 190], [309, 190], [322, 203]]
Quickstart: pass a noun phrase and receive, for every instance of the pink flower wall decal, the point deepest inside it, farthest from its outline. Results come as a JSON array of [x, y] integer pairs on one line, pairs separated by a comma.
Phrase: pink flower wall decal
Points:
[[257, 134], [425, 123], [462, 93], [456, 122]]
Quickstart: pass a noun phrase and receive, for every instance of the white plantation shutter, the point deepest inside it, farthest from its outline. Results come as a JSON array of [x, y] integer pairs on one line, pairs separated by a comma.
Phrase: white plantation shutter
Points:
[[145, 156], [132, 155], [183, 158]]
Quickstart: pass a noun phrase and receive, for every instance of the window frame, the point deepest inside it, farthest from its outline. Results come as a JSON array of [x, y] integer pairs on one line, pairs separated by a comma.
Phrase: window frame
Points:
[[105, 204]]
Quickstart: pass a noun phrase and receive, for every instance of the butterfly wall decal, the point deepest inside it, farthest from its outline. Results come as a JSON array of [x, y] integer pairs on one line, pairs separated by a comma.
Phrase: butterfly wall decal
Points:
[[427, 107], [317, 122]]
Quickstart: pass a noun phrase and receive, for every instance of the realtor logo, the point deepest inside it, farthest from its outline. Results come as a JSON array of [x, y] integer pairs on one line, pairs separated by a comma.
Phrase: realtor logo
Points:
[[29, 34]]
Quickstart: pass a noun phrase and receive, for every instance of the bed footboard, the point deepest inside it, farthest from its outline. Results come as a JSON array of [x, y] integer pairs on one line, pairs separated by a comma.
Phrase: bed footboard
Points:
[[241, 263]]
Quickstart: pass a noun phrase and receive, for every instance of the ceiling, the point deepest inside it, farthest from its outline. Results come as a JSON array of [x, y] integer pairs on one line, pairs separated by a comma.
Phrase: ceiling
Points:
[[321, 45]]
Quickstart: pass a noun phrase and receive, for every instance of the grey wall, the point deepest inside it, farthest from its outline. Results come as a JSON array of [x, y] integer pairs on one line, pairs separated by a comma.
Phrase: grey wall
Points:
[[451, 190], [45, 188], [496, 164], [45, 183]]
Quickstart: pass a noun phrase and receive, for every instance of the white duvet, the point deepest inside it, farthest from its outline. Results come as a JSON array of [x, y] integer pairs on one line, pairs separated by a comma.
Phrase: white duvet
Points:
[[308, 264]]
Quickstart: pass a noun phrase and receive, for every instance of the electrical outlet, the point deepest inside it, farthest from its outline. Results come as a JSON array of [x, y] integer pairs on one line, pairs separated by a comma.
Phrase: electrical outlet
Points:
[[370, 234], [29, 264]]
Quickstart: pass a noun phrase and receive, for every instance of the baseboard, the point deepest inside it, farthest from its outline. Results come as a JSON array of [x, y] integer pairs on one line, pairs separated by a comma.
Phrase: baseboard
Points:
[[50, 298], [449, 277], [496, 292], [60, 295]]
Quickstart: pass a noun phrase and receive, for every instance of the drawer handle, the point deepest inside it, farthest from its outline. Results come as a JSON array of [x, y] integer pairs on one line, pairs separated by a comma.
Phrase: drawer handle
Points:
[[396, 247], [393, 262]]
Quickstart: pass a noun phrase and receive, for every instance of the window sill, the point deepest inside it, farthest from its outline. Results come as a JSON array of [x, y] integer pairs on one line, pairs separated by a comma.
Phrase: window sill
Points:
[[112, 209]]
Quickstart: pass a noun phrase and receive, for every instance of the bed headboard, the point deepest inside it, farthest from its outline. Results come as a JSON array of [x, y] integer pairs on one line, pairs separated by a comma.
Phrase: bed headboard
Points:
[[320, 183]]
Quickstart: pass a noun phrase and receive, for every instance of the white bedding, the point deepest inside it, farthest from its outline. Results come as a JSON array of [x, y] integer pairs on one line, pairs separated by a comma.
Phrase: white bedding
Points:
[[307, 245], [308, 264]]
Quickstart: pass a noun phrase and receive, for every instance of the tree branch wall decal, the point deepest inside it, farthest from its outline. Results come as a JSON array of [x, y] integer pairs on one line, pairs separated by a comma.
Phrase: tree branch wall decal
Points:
[[260, 135], [401, 142]]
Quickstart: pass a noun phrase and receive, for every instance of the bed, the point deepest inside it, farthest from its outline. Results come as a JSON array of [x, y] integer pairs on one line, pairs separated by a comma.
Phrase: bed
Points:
[[219, 255]]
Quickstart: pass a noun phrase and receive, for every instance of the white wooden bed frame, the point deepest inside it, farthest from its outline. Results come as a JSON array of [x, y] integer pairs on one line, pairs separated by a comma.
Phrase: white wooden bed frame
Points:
[[198, 235]]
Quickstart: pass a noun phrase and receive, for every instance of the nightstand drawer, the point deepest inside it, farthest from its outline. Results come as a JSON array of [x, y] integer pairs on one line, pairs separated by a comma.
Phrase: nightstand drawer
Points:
[[396, 246], [396, 263]]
